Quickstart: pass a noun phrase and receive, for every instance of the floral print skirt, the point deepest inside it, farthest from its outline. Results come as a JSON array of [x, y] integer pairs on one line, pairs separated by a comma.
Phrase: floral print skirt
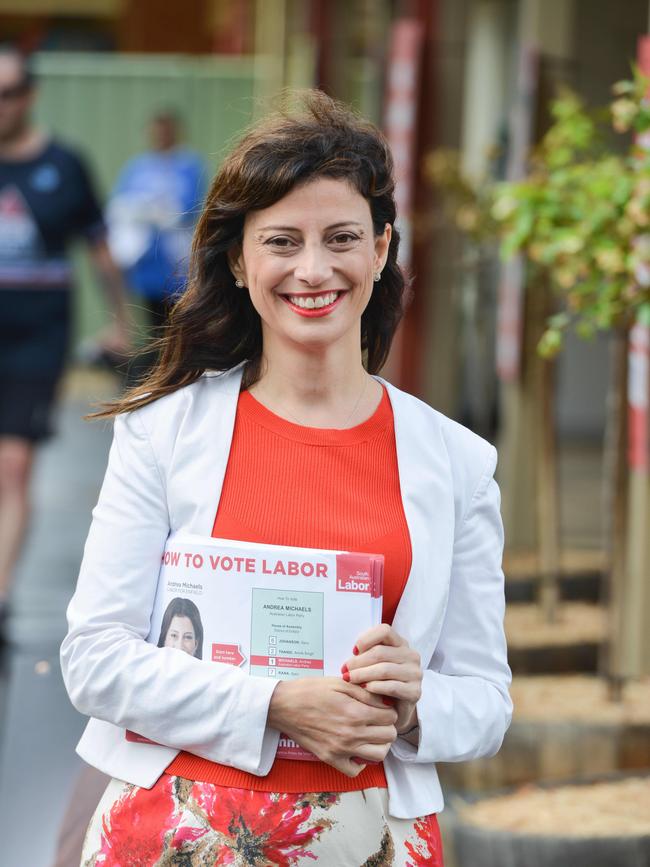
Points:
[[187, 824]]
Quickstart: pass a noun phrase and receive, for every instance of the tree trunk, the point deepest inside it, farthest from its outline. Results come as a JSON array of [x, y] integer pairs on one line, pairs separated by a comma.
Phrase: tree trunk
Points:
[[528, 456], [615, 495], [545, 457]]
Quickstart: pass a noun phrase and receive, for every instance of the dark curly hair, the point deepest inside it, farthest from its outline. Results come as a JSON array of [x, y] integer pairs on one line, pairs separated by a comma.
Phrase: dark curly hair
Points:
[[213, 325]]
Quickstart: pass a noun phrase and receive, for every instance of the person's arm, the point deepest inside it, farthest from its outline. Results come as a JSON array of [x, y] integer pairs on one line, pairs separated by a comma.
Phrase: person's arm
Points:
[[211, 709], [465, 707], [117, 336], [90, 225]]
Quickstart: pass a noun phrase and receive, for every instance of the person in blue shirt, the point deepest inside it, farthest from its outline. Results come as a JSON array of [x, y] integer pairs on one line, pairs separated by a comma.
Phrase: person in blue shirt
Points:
[[151, 215]]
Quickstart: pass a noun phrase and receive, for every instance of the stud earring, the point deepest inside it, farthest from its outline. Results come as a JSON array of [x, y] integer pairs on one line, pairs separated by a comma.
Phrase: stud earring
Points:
[[239, 283], [378, 277]]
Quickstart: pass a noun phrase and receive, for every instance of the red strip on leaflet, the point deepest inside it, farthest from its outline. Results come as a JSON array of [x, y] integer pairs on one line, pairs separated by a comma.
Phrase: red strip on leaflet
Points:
[[287, 662], [377, 576], [135, 738], [354, 573], [289, 749]]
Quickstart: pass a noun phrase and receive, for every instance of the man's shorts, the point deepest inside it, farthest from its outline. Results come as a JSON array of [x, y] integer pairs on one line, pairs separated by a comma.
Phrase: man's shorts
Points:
[[26, 408], [34, 330]]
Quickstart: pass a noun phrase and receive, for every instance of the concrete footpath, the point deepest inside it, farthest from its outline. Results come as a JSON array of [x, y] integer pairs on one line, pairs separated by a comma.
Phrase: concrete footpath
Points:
[[38, 765]]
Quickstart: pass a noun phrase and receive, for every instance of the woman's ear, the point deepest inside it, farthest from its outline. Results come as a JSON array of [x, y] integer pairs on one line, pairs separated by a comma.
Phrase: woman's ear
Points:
[[235, 263], [382, 243]]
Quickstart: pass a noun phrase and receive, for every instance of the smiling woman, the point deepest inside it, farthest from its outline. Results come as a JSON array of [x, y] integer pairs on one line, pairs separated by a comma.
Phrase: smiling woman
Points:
[[265, 421], [310, 277], [301, 209]]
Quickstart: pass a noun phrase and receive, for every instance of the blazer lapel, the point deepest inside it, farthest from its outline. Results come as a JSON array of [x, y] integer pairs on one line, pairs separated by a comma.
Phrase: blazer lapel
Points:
[[200, 466]]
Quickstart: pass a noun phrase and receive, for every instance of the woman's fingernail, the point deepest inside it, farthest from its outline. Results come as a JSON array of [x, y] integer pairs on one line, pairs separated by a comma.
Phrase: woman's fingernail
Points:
[[357, 760], [355, 650], [389, 701], [346, 676], [364, 685], [344, 668]]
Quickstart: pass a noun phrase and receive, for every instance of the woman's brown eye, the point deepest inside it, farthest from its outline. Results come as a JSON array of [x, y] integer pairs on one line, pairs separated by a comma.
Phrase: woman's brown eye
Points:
[[345, 238]]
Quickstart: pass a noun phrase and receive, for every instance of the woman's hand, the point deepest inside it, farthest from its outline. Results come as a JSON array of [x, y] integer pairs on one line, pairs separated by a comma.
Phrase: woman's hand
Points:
[[335, 720], [385, 665]]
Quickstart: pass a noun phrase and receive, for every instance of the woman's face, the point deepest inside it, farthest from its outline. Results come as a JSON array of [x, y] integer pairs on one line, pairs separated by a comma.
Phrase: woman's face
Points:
[[308, 262], [181, 635]]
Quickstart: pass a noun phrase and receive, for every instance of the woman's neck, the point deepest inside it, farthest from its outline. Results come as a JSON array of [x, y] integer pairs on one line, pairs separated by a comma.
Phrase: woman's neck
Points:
[[329, 390]]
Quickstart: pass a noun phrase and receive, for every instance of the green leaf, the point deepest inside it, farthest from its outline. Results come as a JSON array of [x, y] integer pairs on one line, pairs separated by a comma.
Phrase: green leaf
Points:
[[585, 329], [559, 320], [621, 88], [643, 314], [550, 343]]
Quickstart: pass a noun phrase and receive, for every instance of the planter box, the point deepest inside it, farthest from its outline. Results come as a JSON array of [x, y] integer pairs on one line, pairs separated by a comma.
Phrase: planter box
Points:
[[572, 644], [551, 659], [476, 846], [573, 588], [582, 575], [563, 728]]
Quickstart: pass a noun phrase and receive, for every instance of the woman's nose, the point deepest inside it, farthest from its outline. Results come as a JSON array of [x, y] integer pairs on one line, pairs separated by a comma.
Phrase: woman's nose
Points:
[[313, 267]]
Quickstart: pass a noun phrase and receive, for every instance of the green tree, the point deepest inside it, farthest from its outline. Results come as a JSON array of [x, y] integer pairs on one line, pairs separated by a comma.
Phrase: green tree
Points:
[[581, 219]]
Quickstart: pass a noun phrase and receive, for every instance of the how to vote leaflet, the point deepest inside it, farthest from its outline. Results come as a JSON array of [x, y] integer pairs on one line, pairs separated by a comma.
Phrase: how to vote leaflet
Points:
[[273, 610]]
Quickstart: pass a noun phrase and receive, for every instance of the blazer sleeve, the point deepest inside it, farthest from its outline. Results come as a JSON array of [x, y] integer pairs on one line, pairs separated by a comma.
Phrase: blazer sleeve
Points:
[[211, 709], [465, 708]]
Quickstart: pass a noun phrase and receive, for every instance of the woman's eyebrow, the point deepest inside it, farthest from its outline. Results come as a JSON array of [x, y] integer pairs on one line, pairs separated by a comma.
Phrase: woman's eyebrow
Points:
[[295, 228]]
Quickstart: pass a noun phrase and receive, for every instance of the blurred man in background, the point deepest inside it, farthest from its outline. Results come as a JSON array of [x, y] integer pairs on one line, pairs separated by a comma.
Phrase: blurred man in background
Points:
[[46, 199], [152, 212]]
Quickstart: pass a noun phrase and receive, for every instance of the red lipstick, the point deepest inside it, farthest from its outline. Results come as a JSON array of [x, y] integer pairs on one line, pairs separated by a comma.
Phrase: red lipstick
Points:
[[312, 312]]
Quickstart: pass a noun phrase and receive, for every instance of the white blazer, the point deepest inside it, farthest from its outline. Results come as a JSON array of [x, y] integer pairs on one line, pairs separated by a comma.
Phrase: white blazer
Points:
[[165, 472]]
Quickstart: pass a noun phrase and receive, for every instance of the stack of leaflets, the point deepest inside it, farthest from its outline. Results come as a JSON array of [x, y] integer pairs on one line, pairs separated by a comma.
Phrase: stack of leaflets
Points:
[[273, 610]]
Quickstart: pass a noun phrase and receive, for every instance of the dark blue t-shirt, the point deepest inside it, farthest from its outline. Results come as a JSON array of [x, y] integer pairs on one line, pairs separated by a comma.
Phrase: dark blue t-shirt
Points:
[[45, 202]]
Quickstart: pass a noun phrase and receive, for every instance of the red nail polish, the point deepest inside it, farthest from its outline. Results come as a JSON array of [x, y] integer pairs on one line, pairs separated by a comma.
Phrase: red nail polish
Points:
[[364, 685], [346, 676], [355, 650], [344, 668], [357, 760], [389, 701]]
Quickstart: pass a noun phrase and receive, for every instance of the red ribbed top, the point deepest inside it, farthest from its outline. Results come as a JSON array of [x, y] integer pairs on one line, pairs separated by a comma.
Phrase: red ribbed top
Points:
[[287, 484]]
